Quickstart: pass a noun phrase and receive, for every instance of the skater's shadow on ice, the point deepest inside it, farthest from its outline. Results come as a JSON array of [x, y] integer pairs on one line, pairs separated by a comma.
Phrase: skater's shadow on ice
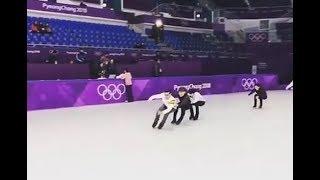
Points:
[[184, 124], [171, 128], [165, 128]]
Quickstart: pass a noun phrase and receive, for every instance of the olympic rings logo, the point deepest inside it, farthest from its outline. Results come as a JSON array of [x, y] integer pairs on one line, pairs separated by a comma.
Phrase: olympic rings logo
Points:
[[257, 37], [248, 84], [111, 91]]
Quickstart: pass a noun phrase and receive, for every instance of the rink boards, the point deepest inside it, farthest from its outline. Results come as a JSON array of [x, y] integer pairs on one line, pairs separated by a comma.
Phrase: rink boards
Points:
[[71, 93]]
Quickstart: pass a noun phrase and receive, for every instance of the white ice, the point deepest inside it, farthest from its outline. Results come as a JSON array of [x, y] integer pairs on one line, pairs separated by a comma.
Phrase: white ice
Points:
[[230, 141]]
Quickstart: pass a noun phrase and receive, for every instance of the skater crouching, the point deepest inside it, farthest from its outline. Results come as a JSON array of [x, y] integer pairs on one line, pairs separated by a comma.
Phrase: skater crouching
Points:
[[169, 106], [261, 94], [196, 101], [183, 104]]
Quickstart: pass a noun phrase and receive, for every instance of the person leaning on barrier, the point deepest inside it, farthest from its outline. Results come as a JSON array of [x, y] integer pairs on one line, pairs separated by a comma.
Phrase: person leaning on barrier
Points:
[[127, 77]]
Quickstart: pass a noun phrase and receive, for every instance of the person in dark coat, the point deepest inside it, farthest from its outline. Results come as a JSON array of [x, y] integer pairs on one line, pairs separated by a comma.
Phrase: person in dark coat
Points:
[[112, 68], [261, 94], [157, 68], [103, 67], [53, 57], [81, 57], [184, 104], [35, 27], [94, 69]]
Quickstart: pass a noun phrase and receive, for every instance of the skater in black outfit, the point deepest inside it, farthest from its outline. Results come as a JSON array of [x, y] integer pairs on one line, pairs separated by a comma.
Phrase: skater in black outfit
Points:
[[169, 106], [184, 105], [196, 101], [260, 93]]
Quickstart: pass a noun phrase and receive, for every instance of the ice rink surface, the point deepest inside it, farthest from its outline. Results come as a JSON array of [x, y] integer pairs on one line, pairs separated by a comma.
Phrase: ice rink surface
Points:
[[230, 141]]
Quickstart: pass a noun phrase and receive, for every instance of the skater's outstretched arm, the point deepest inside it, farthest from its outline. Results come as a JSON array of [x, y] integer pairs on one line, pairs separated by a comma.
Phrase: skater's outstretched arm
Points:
[[252, 91], [121, 76]]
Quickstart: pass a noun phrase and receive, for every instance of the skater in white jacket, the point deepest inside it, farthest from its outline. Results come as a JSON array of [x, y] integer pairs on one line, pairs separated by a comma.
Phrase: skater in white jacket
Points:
[[196, 100], [170, 105]]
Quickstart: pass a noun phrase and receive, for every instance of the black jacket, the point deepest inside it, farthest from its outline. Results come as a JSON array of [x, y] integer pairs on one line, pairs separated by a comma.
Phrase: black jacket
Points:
[[157, 67], [94, 67], [111, 68], [261, 93], [185, 101]]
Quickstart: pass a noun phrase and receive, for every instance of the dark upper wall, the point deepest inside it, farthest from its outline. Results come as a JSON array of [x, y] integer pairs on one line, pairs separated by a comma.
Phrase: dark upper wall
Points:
[[274, 58], [142, 5]]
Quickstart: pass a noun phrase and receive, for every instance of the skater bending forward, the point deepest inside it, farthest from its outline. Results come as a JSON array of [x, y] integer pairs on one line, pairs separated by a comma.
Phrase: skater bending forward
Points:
[[183, 104], [169, 106], [196, 101], [261, 94]]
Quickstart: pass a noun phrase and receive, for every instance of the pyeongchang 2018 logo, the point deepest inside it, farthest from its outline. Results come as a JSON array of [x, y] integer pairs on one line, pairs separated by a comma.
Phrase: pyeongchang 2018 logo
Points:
[[33, 51], [193, 86], [64, 8], [248, 83], [111, 91]]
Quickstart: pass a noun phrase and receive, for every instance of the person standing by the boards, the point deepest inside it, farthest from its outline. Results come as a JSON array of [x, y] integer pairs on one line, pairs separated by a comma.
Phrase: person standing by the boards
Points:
[[127, 77]]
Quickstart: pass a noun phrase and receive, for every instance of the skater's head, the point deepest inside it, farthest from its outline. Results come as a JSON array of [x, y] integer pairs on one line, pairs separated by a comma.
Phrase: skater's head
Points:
[[182, 91], [257, 86], [126, 70], [167, 94]]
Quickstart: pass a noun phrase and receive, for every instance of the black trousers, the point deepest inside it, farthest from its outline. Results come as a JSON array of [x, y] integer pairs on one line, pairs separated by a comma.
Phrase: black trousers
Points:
[[255, 100], [165, 116], [129, 93], [183, 111], [197, 104]]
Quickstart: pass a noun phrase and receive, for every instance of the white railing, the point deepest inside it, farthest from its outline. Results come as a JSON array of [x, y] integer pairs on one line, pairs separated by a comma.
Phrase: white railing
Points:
[[115, 48]]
